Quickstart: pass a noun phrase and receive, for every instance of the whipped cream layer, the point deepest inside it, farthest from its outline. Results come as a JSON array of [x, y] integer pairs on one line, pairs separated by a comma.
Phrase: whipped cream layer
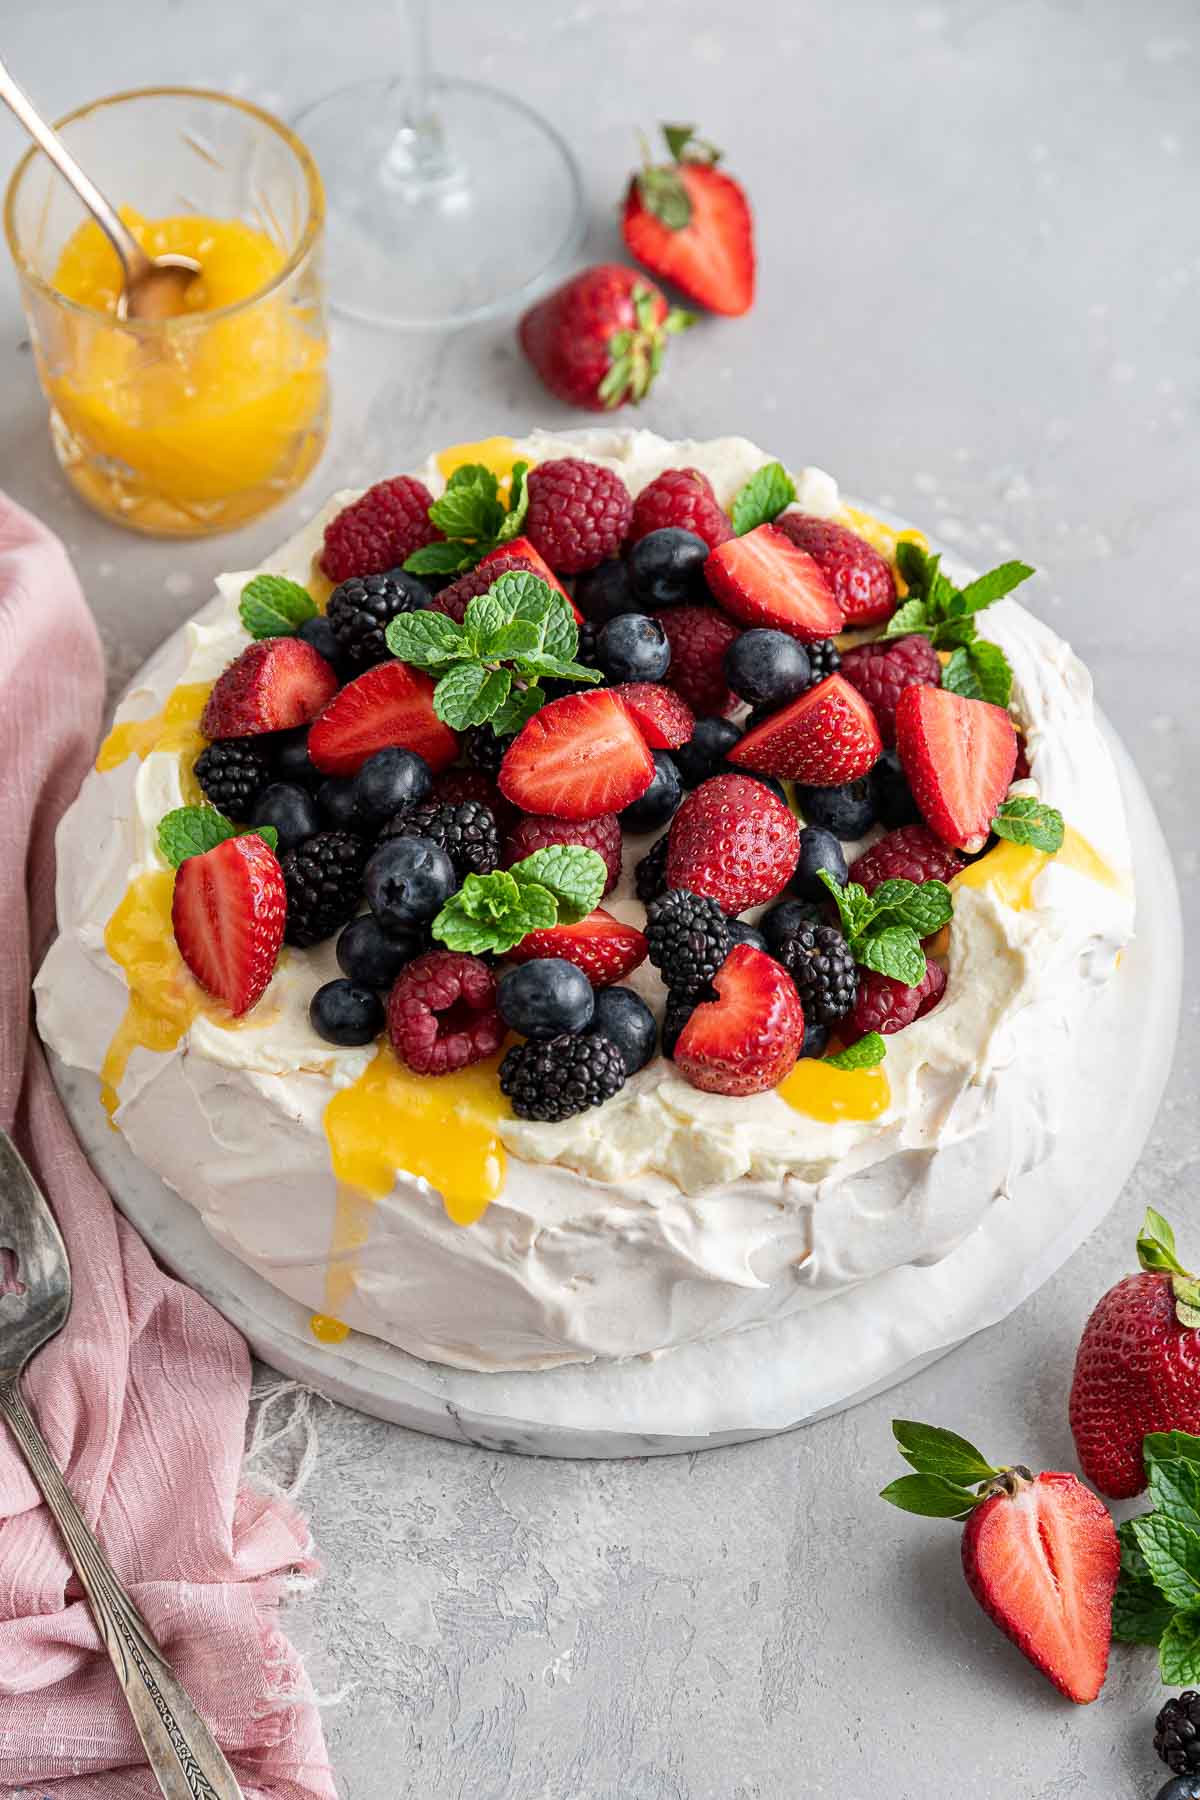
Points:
[[668, 1215]]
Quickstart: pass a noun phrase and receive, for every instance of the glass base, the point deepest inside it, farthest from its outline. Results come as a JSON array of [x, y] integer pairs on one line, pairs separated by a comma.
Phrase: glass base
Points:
[[458, 224]]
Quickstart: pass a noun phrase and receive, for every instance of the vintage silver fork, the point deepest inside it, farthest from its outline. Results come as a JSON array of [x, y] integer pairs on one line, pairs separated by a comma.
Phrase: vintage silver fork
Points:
[[34, 1303]]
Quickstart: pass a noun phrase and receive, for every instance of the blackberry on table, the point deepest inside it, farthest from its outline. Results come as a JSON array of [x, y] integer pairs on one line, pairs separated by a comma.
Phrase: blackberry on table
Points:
[[466, 832], [689, 939], [232, 772], [818, 959], [564, 1076], [824, 658], [361, 609], [1177, 1733], [485, 750], [323, 877], [650, 876]]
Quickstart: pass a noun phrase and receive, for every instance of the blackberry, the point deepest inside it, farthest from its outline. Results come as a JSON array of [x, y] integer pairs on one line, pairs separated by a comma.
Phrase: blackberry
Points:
[[1177, 1734], [323, 877], [585, 654], [466, 832], [232, 772], [818, 959], [650, 876], [680, 1008], [485, 750], [824, 658], [555, 1080], [689, 939], [361, 609]]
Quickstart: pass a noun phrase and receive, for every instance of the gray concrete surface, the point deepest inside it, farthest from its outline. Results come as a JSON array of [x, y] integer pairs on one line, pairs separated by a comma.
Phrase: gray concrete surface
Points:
[[980, 303]]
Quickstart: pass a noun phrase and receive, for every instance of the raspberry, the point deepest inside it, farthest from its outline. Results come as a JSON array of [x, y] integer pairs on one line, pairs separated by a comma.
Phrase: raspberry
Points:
[[323, 877], [689, 938], [861, 579], [683, 498], [467, 833], [650, 876], [231, 772], [376, 532], [578, 514], [455, 599], [535, 831], [886, 1005], [881, 672], [818, 959], [699, 636], [556, 1080], [361, 609], [911, 853], [442, 1013]]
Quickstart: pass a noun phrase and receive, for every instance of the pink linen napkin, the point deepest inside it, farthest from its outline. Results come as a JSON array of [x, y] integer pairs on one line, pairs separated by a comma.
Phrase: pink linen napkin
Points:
[[144, 1397]]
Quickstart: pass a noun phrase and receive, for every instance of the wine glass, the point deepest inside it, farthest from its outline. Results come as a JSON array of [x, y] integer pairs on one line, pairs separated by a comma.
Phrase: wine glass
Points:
[[448, 200]]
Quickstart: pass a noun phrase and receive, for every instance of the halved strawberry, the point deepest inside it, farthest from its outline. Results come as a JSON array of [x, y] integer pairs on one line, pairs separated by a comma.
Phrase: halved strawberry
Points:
[[1041, 1557], [750, 1036], [577, 758], [959, 756], [228, 913], [274, 685], [606, 949], [664, 720], [691, 223], [763, 579], [826, 737], [391, 705]]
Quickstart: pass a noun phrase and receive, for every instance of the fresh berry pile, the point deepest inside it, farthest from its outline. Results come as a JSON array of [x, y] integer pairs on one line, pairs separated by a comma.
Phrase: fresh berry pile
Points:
[[448, 770]]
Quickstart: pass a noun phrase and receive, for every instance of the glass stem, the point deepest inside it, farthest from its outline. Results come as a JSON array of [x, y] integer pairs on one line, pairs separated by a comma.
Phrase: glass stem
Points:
[[417, 157]]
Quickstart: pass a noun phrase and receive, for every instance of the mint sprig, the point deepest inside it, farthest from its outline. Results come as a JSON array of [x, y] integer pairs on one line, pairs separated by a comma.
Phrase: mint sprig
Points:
[[867, 1053], [1158, 1592], [951, 1476], [762, 498], [884, 929], [946, 615], [473, 519], [273, 606], [490, 667], [555, 886], [193, 830], [1024, 820]]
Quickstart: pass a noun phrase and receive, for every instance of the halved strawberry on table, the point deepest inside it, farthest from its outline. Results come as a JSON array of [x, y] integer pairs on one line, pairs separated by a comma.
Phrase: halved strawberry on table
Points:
[[691, 223], [606, 949], [389, 706], [228, 913], [761, 578], [576, 758], [959, 756], [275, 684], [750, 1036], [826, 737]]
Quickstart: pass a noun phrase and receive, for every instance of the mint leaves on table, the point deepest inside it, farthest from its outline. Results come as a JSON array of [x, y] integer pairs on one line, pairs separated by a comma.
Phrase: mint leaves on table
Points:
[[473, 518], [867, 1053], [884, 929], [191, 830], [489, 668], [951, 1476], [762, 498], [1024, 820], [273, 606], [558, 885], [1158, 1593], [946, 615]]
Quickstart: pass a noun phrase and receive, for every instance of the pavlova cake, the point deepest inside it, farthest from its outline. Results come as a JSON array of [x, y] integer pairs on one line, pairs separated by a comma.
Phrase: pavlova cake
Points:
[[591, 896]]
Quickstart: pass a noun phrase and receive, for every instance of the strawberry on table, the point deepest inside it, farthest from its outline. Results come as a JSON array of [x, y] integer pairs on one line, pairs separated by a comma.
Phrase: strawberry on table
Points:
[[577, 757], [274, 685], [691, 223], [390, 706], [861, 579], [825, 738], [959, 756], [750, 1036], [763, 579], [228, 913], [1138, 1365], [733, 841], [598, 340], [606, 949], [663, 718]]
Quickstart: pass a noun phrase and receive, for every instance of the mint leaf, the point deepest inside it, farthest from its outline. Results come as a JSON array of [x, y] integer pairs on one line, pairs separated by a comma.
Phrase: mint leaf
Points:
[[952, 633], [1172, 1554], [190, 831], [1140, 1615], [486, 616], [273, 606], [526, 596], [932, 1451], [267, 833], [539, 666], [444, 558], [908, 618], [517, 710], [1175, 1491], [911, 561], [867, 1053], [856, 908], [989, 675], [493, 912], [931, 1496], [762, 498], [518, 504], [994, 585], [926, 907], [468, 694], [573, 874], [513, 641], [469, 508], [426, 640], [1168, 1446], [1024, 820], [894, 951], [1179, 1649]]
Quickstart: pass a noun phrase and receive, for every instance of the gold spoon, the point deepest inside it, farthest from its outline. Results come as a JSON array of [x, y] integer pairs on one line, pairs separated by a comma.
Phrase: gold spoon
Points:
[[153, 287]]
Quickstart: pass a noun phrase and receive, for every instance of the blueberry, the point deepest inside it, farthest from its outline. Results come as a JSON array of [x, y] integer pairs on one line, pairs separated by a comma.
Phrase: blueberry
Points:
[[337, 804], [848, 811], [667, 567], [660, 800], [319, 633], [407, 881], [369, 956], [819, 849], [1180, 1787], [624, 1018], [290, 809], [768, 781], [705, 751], [632, 647], [767, 668], [388, 782], [816, 1038], [742, 933], [542, 998], [894, 804], [786, 918], [292, 761], [603, 592], [342, 1012]]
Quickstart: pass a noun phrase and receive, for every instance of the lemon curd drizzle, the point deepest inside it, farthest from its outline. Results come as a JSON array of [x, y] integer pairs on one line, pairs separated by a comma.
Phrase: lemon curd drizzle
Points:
[[494, 453], [163, 998], [174, 727], [823, 1092]]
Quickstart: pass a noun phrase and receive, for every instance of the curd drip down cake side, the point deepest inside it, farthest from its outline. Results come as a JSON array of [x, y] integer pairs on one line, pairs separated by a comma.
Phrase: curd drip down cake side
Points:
[[669, 900]]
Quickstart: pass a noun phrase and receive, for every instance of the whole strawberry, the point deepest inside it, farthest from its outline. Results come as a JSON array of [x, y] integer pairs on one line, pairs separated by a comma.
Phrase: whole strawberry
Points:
[[1039, 1552], [691, 223], [598, 340], [733, 841], [1138, 1365]]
